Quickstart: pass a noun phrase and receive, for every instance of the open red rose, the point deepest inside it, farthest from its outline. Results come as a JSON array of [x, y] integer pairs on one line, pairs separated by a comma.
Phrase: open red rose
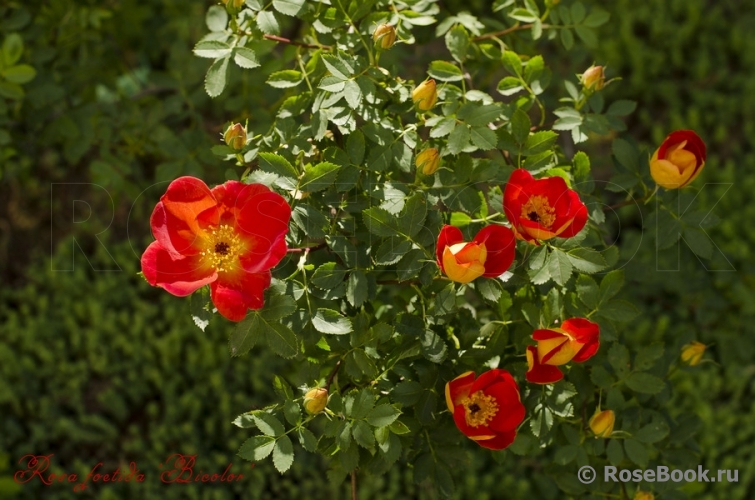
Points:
[[489, 254], [679, 160], [541, 209], [488, 409], [577, 340], [228, 237]]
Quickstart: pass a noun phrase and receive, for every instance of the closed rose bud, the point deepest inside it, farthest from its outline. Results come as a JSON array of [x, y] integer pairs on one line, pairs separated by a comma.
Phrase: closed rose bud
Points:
[[428, 160], [594, 78], [643, 495], [552, 3], [679, 160], [384, 36], [316, 400], [233, 6], [235, 137], [425, 95], [692, 353], [602, 423]]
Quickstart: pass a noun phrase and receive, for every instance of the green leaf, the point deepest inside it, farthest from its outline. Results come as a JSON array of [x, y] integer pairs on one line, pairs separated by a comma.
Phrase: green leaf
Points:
[[382, 415], [363, 403], [288, 7], [647, 356], [512, 62], [621, 108], [331, 322], [626, 154], [587, 260], [520, 126], [356, 289], [407, 393], [587, 291], [268, 424], [457, 41], [363, 435], [276, 164], [283, 454], [534, 68], [292, 412], [13, 48], [540, 142], [201, 313], [282, 340], [257, 448], [268, 23], [380, 222], [318, 177], [611, 284], [509, 85], [577, 12], [277, 307], [597, 17], [478, 115], [245, 57], [484, 138], [433, 346], [636, 452], [328, 276], [246, 335], [615, 452], [698, 241], [653, 432], [285, 79], [216, 18], [412, 218], [444, 127], [337, 66], [391, 251], [307, 440], [355, 147], [567, 38], [645, 383], [281, 388], [459, 139], [445, 71], [587, 35], [11, 90], [216, 77], [559, 267], [619, 310]]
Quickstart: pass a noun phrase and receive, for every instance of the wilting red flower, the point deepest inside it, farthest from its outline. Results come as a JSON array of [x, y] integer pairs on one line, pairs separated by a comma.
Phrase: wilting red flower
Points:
[[679, 160], [228, 237], [488, 409], [542, 209], [489, 254], [576, 340]]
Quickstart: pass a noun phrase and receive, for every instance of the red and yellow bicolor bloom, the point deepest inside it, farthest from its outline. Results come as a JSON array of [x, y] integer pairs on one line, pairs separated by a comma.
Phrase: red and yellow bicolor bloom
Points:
[[692, 353], [487, 409], [601, 424], [577, 340], [541, 209], [425, 95], [679, 160], [489, 254], [228, 237]]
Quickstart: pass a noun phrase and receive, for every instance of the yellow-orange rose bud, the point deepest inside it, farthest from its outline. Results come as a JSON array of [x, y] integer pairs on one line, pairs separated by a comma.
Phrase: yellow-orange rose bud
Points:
[[384, 36], [235, 137], [235, 4], [643, 495], [428, 160], [552, 3], [602, 423], [315, 400], [692, 353], [594, 78], [679, 160], [425, 95]]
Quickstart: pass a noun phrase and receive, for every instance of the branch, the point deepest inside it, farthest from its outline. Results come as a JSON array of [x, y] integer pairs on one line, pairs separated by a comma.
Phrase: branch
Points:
[[309, 249], [332, 375], [353, 485], [505, 32], [280, 39]]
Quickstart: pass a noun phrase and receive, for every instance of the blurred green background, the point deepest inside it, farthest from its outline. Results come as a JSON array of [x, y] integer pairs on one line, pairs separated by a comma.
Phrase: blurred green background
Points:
[[98, 366]]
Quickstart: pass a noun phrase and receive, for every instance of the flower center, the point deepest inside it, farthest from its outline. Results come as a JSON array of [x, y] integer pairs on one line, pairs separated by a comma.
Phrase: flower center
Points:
[[223, 249], [479, 409], [537, 209]]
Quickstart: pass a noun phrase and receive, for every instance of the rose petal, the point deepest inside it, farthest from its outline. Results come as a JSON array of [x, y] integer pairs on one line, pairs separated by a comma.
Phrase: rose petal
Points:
[[180, 276], [500, 244], [449, 235], [234, 293]]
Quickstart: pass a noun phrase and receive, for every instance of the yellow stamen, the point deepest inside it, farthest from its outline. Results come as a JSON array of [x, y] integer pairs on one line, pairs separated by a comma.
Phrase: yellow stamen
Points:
[[222, 249], [537, 209], [479, 408]]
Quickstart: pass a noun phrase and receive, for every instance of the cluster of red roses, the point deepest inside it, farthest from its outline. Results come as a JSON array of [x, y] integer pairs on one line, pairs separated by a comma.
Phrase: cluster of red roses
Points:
[[231, 236]]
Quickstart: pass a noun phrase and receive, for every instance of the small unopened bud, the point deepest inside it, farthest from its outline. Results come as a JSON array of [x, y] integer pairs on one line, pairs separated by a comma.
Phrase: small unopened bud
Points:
[[233, 6], [692, 353], [428, 160], [552, 3], [643, 495], [594, 78], [384, 36], [425, 95], [316, 400], [602, 423], [235, 137]]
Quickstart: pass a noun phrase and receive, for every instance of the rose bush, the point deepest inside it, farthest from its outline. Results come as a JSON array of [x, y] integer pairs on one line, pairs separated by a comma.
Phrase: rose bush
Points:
[[402, 272]]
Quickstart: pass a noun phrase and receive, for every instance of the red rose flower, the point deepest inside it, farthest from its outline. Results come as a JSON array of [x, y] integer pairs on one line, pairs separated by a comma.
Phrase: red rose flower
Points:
[[679, 160], [576, 340], [489, 254], [228, 237], [542, 209], [488, 409]]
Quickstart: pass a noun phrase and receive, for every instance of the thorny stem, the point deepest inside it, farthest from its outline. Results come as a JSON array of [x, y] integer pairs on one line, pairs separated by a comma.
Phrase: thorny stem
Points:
[[332, 375]]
